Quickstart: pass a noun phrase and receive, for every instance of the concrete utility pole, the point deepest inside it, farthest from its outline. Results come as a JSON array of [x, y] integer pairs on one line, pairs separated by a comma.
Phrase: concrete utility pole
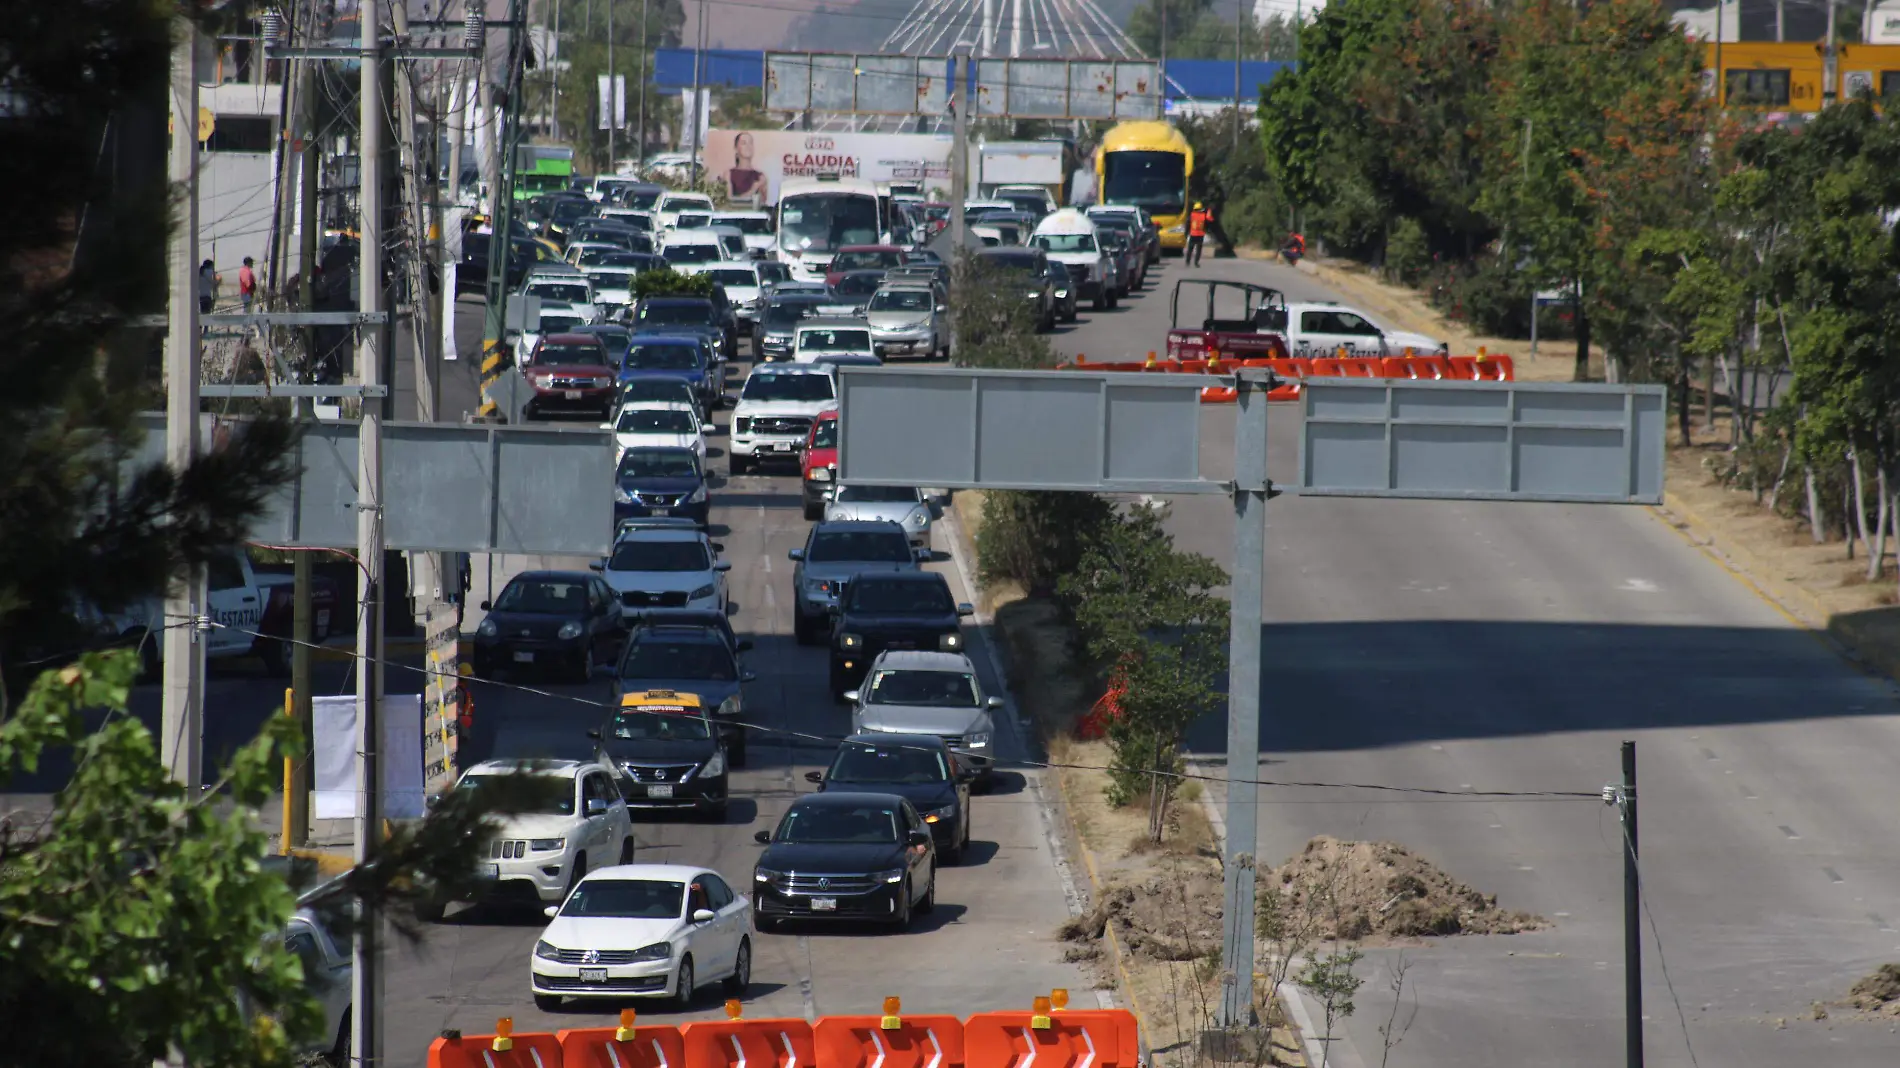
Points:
[[699, 62], [506, 139], [1240, 31], [182, 714], [646, 76], [607, 102], [554, 75], [296, 829], [366, 981], [411, 165], [1831, 58]]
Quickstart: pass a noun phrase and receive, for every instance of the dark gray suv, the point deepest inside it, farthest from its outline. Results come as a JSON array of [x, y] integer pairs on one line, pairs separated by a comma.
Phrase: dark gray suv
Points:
[[833, 554]]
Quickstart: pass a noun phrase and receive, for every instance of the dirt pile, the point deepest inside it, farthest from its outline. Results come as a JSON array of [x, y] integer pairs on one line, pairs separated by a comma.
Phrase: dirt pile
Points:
[[1878, 993], [1171, 914], [1358, 890]]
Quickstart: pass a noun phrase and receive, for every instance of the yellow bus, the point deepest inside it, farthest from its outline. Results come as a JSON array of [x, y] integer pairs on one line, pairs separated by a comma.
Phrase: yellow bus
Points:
[[1147, 164], [1790, 77]]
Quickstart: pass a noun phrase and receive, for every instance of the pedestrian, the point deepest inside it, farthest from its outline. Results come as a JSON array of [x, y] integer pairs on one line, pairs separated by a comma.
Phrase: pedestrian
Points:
[[247, 284], [208, 279], [1197, 233]]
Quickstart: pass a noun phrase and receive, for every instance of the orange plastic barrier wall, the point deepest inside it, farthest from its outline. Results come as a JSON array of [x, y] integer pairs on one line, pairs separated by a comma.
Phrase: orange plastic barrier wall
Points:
[[748, 1044], [534, 1050], [1088, 1039], [864, 1042], [650, 1046]]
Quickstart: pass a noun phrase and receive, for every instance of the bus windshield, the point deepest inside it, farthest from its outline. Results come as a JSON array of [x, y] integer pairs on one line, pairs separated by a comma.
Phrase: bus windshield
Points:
[[820, 222], [1156, 181]]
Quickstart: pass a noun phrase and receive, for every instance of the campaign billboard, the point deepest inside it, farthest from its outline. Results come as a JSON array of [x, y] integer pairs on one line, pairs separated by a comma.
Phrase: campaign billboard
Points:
[[757, 162]]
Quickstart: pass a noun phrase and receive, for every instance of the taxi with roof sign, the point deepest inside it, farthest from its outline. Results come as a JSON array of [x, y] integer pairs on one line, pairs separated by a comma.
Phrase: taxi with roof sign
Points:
[[665, 751]]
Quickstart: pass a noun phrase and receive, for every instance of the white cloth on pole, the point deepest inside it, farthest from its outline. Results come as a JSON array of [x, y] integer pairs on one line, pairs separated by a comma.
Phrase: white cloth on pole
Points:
[[334, 727]]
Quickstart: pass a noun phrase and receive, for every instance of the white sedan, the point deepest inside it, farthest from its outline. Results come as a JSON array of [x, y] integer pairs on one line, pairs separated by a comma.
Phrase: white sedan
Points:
[[646, 424], [655, 930]]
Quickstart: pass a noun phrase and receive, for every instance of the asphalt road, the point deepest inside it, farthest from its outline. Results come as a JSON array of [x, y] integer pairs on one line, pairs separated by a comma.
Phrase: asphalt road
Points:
[[1486, 646], [996, 913]]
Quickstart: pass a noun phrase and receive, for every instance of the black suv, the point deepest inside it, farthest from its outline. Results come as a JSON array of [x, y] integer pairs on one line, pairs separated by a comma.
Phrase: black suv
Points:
[[874, 852], [899, 610]]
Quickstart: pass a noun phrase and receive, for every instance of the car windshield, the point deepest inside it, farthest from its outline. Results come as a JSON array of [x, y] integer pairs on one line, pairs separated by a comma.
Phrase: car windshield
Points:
[[627, 899], [655, 421], [859, 546], [556, 323], [557, 799], [943, 689], [892, 762], [690, 312], [841, 824], [570, 355], [733, 276], [663, 358], [1028, 202], [686, 202], [657, 389], [862, 258], [878, 494], [1011, 261], [642, 555], [661, 658], [746, 225], [901, 300], [590, 257], [659, 463], [692, 221], [1065, 242], [777, 387], [571, 292], [784, 313], [614, 277], [833, 340], [692, 253], [560, 597], [870, 595], [858, 285], [1153, 180], [614, 337], [641, 725], [823, 221], [825, 434]]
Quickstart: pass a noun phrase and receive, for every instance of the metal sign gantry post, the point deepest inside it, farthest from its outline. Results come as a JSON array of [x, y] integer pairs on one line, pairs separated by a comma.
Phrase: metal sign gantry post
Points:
[[1134, 433]]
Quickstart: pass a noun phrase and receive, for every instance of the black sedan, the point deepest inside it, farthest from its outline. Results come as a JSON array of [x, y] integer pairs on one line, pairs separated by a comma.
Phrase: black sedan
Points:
[[665, 752], [916, 767], [897, 610], [566, 620], [845, 856]]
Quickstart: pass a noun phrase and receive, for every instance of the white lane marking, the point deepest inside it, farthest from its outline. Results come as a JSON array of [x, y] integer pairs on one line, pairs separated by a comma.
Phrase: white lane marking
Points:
[[765, 562], [1637, 585], [771, 599]]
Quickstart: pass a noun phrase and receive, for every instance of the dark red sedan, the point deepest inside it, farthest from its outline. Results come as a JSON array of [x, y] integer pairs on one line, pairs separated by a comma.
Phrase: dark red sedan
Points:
[[571, 374]]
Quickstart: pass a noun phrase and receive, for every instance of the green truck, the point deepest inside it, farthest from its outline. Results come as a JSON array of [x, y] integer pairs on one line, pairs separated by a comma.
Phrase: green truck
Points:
[[542, 169]]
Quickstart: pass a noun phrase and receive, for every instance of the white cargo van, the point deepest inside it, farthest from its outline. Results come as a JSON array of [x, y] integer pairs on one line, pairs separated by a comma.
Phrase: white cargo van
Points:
[[1069, 237]]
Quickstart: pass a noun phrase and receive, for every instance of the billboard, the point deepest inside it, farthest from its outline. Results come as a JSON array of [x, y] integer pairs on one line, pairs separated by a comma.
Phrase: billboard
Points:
[[757, 162]]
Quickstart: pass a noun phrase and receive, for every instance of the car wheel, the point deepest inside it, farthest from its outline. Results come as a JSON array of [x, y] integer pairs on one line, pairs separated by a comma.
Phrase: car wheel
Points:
[[626, 851], [735, 753], [741, 976], [901, 921], [339, 1056], [814, 512], [683, 986], [804, 633], [1112, 300], [928, 902], [738, 465], [717, 810], [762, 922], [1101, 300], [574, 879], [584, 663], [548, 1002], [953, 854]]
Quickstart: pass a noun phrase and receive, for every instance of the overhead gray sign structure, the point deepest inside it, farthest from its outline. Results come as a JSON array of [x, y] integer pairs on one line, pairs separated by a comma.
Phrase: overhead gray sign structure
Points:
[[1521, 441], [843, 83], [857, 84], [1072, 430], [1068, 89], [447, 488]]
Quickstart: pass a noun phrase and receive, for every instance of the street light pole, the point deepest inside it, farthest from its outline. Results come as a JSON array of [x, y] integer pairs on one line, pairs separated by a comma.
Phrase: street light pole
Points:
[[181, 648]]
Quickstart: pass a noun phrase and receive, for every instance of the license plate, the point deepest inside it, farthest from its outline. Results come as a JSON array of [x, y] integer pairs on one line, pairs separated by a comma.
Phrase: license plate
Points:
[[492, 871], [524, 658], [783, 446], [824, 904], [573, 394], [659, 791], [593, 975]]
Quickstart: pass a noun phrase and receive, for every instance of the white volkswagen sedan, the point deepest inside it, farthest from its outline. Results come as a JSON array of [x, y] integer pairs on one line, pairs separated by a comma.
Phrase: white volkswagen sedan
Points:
[[654, 930]]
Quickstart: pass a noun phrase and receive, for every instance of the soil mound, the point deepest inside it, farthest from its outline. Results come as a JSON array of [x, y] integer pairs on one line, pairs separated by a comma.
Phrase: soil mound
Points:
[[1359, 890], [1877, 993]]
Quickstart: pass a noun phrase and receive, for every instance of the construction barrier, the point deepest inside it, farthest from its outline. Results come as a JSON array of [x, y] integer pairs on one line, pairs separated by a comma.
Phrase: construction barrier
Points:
[[503, 1049], [1052, 1039], [892, 1040], [740, 1043], [627, 1046]]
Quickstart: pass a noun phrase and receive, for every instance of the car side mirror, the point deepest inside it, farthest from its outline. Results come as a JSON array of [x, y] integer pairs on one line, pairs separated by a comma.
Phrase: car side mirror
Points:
[[551, 911], [594, 733], [744, 646], [597, 565], [993, 702], [966, 774], [917, 838], [815, 776], [851, 696], [703, 916], [718, 547], [965, 608], [748, 676], [762, 837], [596, 806], [924, 556], [723, 565], [485, 606]]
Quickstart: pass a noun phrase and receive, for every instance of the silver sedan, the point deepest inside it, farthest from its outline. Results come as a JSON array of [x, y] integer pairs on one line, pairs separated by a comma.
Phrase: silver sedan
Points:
[[902, 505]]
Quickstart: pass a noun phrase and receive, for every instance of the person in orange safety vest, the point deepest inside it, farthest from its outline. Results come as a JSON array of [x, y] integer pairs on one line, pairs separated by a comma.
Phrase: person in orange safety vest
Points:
[[1197, 233]]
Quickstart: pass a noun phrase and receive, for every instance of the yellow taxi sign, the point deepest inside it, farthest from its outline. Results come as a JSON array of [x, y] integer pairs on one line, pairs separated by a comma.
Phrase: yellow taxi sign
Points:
[[666, 700], [207, 122]]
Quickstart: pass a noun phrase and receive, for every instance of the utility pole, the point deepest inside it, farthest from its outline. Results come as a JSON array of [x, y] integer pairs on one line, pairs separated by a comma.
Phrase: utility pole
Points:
[[502, 196], [645, 77], [1240, 29], [182, 715], [1632, 925], [959, 168], [1830, 66], [699, 61], [554, 75], [1166, 11], [302, 629], [366, 960], [410, 164], [607, 102]]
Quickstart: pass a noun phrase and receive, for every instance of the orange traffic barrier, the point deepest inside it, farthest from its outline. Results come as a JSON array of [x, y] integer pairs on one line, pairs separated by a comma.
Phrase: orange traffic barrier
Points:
[[1324, 367], [503, 1049], [1362, 367], [891, 1040], [626, 1046], [739, 1043], [1054, 1039], [1424, 367], [1482, 368]]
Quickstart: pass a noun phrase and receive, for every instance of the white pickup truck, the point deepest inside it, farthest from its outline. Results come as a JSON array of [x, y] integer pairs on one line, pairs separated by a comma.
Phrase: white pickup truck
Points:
[[253, 611], [1315, 329]]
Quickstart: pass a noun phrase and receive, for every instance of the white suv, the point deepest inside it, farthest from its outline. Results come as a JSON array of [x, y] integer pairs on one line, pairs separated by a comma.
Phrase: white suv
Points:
[[776, 407], [544, 853]]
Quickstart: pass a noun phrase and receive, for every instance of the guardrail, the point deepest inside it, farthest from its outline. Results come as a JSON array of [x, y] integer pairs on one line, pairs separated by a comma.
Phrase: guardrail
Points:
[[1295, 371]]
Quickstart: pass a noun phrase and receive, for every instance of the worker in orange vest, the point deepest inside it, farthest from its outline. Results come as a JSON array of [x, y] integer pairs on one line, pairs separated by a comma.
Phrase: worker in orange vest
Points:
[[1197, 233]]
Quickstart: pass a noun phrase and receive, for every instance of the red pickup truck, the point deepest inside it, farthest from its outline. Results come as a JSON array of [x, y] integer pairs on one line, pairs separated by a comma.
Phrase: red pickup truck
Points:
[[1258, 333], [819, 465]]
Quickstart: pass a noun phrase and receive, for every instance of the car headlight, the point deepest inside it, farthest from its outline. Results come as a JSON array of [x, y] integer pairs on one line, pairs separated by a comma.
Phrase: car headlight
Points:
[[1063, 293], [1033, 293], [714, 767], [729, 707], [702, 593], [895, 875], [951, 642], [656, 951], [698, 495], [977, 740], [543, 381], [602, 381], [543, 845], [546, 951], [761, 875], [569, 630], [820, 588], [1177, 228], [918, 517], [851, 641], [487, 629], [936, 815], [821, 474], [623, 495]]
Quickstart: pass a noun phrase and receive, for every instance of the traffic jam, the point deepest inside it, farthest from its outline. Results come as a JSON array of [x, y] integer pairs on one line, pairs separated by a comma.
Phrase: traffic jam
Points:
[[745, 370]]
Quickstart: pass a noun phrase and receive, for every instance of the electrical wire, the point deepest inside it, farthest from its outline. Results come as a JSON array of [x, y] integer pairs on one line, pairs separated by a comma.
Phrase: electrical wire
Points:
[[1655, 935]]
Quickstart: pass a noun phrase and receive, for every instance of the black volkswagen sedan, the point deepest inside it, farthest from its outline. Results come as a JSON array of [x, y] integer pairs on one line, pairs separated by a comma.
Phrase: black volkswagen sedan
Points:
[[565, 620], [916, 767], [845, 856], [896, 610]]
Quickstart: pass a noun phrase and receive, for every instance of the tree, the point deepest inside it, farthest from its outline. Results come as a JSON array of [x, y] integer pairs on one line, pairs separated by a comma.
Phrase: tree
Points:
[[1197, 31], [666, 282], [584, 46], [992, 324]]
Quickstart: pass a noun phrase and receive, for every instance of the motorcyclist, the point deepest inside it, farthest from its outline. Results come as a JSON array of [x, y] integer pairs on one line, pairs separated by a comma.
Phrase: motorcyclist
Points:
[[1294, 249]]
